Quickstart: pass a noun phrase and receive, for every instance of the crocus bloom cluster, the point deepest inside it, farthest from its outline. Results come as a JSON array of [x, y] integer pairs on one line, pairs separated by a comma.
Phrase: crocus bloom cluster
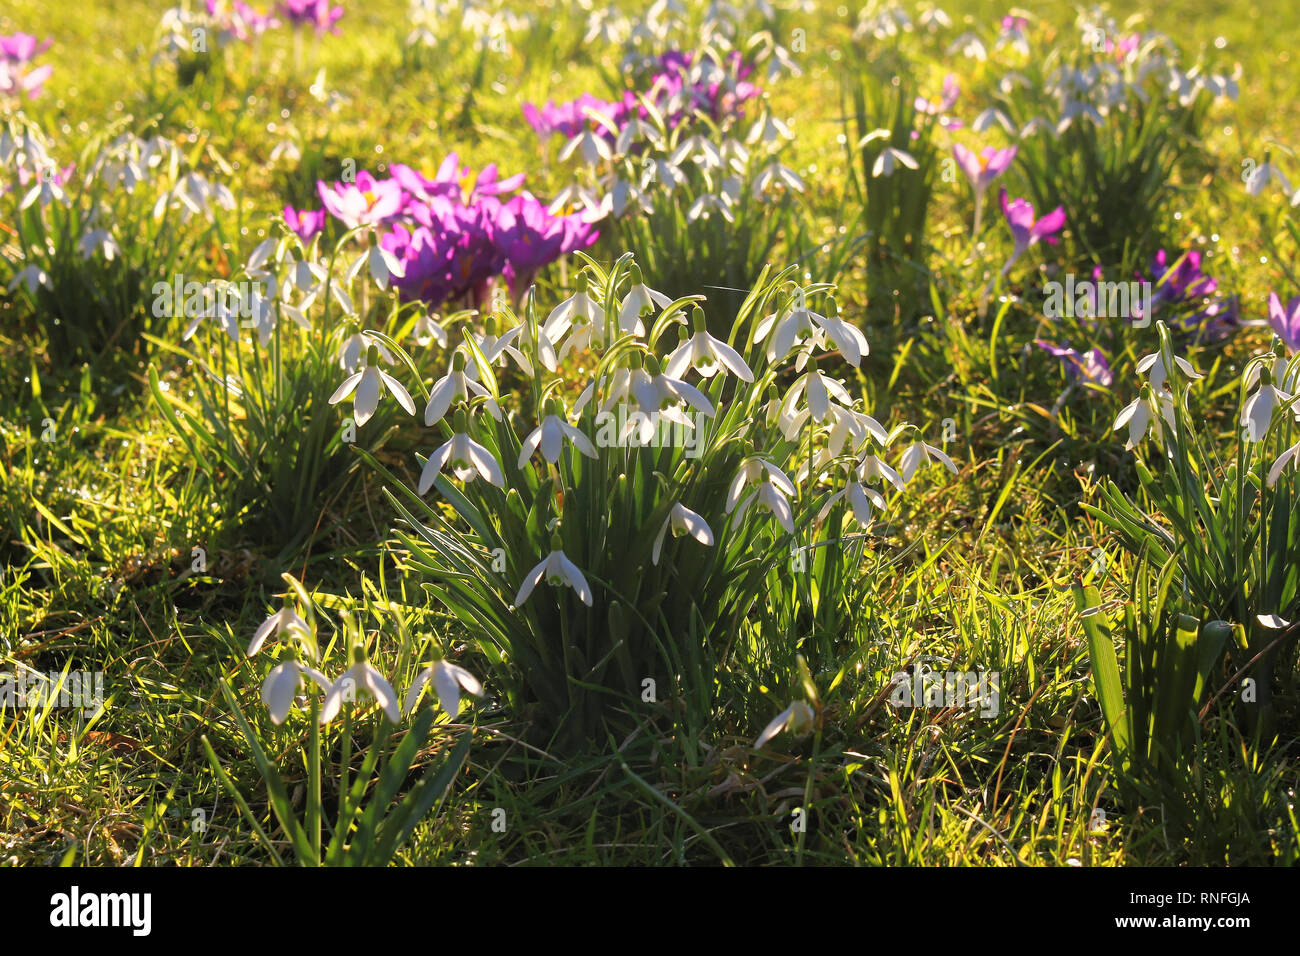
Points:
[[451, 232], [680, 85], [17, 75], [317, 14], [1183, 298]]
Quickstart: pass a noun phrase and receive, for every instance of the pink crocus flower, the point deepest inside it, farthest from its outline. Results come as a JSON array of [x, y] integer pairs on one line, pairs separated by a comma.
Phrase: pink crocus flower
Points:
[[304, 223], [21, 47], [1025, 229], [16, 52], [1285, 321], [315, 13], [982, 169], [366, 201]]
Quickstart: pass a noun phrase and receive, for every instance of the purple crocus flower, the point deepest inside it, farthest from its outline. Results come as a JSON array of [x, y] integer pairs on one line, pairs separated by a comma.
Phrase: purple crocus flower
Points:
[[1182, 292], [304, 223], [21, 47], [1025, 229], [366, 201], [318, 14], [1090, 367], [982, 169], [949, 95], [529, 237], [1285, 321], [16, 52]]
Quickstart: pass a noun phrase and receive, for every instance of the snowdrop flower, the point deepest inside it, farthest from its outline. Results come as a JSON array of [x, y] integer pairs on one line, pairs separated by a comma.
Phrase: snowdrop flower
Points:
[[368, 385], [639, 300], [284, 621], [658, 391], [580, 306], [860, 498], [497, 348], [1262, 175], [33, 277], [448, 680], [768, 129], [889, 159], [698, 148], [819, 390], [1290, 456], [991, 117], [428, 329], [797, 718], [683, 521], [456, 386], [362, 675], [283, 682], [1146, 415], [47, 190], [286, 149], [1257, 413], [550, 435], [705, 354], [593, 148], [381, 264], [774, 487], [623, 195], [1155, 364], [872, 466], [774, 173], [919, 453], [704, 205], [468, 459], [970, 46], [355, 348], [558, 571]]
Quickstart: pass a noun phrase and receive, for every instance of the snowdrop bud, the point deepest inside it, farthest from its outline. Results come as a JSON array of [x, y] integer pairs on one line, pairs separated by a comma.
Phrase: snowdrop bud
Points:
[[458, 362], [372, 355], [556, 543], [1265, 377], [490, 325], [637, 278], [652, 365], [358, 655], [1145, 392], [582, 283], [697, 319], [683, 335], [461, 420], [832, 307]]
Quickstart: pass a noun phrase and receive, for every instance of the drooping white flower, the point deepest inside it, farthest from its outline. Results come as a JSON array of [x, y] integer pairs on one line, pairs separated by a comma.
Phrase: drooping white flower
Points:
[[368, 384], [558, 571], [705, 354], [639, 300], [1257, 413], [890, 159], [467, 458], [456, 386], [284, 621], [683, 521], [773, 487], [919, 453], [282, 684], [550, 435], [1155, 364], [819, 391], [1290, 456], [1145, 415], [796, 718], [361, 676], [860, 498], [448, 680], [381, 263]]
